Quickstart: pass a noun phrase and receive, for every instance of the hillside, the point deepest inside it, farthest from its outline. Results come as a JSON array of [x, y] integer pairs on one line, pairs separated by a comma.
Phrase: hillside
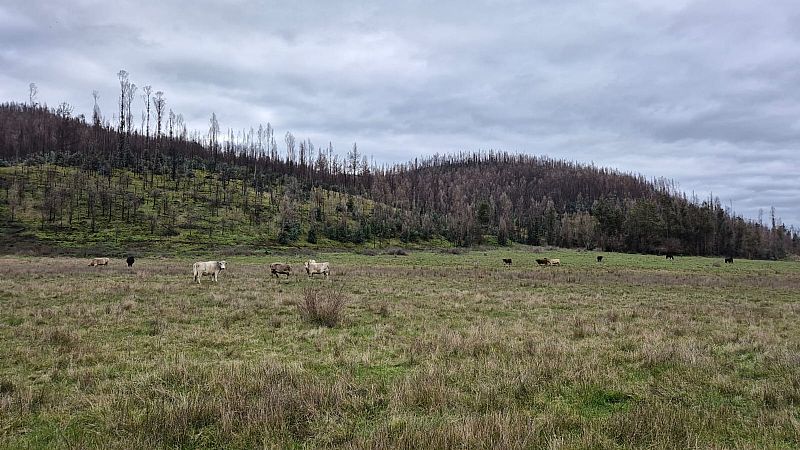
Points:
[[51, 208], [73, 186]]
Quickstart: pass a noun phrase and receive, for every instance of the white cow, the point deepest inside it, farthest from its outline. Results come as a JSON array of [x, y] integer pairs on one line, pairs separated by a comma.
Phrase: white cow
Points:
[[212, 268], [99, 262], [313, 267]]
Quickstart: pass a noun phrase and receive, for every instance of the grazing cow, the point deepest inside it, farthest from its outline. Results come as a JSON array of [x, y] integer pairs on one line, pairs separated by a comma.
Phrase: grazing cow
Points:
[[670, 255], [507, 261], [729, 260], [554, 262], [600, 258], [99, 262], [212, 268], [313, 267], [543, 262], [130, 261], [277, 268]]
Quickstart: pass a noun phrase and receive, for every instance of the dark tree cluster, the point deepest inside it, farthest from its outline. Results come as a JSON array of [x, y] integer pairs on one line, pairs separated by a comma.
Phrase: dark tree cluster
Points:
[[541, 201]]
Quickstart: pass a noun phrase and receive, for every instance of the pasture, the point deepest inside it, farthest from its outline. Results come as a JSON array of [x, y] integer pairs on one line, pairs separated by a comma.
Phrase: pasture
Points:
[[434, 350]]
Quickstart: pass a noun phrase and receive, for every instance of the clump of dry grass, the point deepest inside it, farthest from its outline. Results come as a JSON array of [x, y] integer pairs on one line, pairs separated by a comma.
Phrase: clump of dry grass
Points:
[[275, 322], [581, 328], [6, 386], [383, 311], [64, 339], [156, 326], [127, 305], [230, 319], [322, 307]]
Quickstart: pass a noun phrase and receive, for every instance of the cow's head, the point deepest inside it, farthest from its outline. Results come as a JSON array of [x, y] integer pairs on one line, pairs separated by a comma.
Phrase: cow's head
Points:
[[221, 265]]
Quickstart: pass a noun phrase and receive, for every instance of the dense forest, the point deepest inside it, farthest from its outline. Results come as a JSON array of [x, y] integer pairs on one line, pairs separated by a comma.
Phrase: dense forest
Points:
[[151, 182]]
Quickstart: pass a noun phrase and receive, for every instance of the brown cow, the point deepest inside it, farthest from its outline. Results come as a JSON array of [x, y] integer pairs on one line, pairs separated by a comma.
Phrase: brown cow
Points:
[[99, 262], [277, 268], [543, 262]]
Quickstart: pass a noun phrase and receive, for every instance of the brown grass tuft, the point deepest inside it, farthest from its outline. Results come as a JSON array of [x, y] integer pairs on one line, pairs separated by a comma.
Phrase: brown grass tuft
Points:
[[155, 327], [61, 338], [322, 307], [127, 305]]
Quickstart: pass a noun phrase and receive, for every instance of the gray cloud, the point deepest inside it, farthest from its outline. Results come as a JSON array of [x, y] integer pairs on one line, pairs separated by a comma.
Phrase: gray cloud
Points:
[[703, 92]]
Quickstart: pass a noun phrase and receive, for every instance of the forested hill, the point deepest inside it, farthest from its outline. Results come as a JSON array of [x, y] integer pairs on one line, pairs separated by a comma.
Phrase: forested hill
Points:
[[71, 183]]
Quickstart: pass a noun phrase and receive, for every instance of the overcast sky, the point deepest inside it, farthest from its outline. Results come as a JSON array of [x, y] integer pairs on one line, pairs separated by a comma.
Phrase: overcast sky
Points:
[[704, 92]]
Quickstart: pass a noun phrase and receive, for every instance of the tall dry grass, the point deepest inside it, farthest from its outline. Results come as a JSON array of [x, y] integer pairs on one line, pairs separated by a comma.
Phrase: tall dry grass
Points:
[[322, 307]]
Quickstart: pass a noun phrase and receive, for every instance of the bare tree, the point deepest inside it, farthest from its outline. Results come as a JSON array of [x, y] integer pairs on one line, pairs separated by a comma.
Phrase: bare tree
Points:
[[128, 103], [171, 123], [146, 98], [180, 124], [290, 152], [32, 92], [213, 132], [353, 158], [272, 146], [260, 140], [64, 110], [124, 84], [159, 102], [97, 119]]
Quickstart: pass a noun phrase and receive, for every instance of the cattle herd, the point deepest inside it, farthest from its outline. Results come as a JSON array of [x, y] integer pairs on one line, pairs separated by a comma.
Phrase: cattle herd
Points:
[[548, 262], [213, 268]]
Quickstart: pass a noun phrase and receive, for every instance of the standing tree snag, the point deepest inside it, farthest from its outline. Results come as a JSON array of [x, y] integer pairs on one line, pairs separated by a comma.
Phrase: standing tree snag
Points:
[[124, 86], [32, 92]]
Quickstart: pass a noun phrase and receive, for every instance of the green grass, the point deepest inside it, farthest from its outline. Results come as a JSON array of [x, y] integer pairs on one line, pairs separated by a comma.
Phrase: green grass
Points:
[[434, 349]]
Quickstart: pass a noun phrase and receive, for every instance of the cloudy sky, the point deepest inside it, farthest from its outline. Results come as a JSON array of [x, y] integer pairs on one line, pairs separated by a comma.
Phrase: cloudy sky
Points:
[[704, 92]]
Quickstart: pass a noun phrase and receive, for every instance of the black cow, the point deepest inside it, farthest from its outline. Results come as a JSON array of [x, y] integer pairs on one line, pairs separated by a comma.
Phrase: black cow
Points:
[[507, 261], [729, 260], [599, 258], [670, 255], [130, 261], [543, 262]]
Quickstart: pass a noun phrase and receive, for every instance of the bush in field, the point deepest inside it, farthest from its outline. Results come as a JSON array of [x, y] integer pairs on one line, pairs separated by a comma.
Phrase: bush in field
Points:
[[323, 307]]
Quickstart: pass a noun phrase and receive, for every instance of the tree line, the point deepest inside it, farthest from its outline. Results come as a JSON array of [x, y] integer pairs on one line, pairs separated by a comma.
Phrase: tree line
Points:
[[465, 198]]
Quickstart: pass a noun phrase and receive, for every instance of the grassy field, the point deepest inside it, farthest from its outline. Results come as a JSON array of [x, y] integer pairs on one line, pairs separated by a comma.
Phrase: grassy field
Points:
[[434, 350]]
